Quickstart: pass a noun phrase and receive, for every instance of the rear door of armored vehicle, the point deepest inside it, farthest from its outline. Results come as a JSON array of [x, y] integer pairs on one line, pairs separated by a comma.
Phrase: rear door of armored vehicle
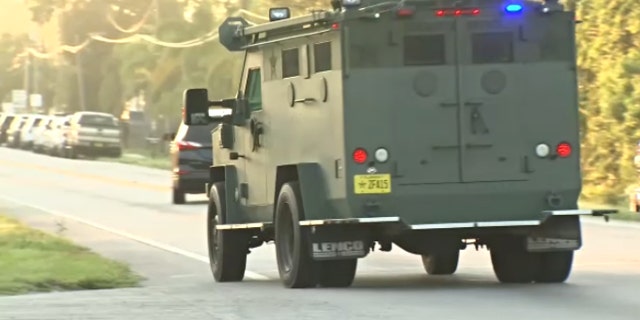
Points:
[[491, 78], [467, 124]]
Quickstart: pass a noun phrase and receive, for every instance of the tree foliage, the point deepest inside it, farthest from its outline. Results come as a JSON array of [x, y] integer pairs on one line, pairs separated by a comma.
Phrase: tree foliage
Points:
[[609, 61]]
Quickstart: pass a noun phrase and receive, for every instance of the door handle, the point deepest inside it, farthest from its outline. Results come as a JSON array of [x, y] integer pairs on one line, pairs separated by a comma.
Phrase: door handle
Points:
[[448, 104], [441, 147], [479, 145], [473, 103]]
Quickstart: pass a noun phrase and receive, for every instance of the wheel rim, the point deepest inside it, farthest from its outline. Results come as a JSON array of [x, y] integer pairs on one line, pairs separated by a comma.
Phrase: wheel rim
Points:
[[285, 246]]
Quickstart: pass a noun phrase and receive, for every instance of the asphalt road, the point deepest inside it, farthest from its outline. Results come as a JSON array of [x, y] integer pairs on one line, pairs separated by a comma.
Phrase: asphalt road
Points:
[[134, 203]]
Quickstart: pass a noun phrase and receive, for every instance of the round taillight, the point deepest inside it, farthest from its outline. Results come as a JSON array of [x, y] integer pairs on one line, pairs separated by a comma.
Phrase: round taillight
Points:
[[563, 150], [360, 155]]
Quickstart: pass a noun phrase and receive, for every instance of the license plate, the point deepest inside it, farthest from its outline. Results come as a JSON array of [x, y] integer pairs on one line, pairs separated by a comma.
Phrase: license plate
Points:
[[372, 183], [98, 145]]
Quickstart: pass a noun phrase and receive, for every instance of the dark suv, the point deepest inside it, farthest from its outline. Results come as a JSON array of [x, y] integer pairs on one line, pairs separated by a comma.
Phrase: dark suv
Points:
[[191, 156]]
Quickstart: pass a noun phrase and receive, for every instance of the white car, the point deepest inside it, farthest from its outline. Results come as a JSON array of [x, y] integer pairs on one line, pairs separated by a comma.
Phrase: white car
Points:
[[26, 132], [39, 134], [55, 137]]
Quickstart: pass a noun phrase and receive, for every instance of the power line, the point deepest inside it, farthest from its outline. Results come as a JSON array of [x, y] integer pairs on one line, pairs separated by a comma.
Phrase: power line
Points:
[[210, 36]]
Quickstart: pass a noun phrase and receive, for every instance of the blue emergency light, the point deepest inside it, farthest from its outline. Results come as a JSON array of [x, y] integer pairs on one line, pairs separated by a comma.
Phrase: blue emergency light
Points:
[[513, 8]]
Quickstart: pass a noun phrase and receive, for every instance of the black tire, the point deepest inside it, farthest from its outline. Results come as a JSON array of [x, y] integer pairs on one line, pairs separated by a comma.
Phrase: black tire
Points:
[[179, 196], [554, 267], [296, 267], [514, 265], [228, 249], [337, 273], [441, 263]]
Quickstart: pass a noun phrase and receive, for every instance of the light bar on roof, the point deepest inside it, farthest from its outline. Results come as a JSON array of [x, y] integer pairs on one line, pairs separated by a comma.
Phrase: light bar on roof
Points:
[[276, 14]]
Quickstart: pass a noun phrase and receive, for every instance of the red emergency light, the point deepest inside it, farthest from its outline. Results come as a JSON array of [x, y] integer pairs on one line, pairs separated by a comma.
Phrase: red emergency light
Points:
[[457, 12]]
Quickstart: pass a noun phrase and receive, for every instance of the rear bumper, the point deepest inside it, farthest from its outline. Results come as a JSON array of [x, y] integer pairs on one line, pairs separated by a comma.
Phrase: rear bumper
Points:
[[544, 215], [193, 183], [402, 225]]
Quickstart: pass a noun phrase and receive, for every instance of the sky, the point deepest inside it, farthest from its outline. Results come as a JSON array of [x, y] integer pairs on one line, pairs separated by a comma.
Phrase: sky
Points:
[[14, 17]]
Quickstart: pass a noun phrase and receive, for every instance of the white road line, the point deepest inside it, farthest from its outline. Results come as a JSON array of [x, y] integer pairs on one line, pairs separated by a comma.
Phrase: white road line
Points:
[[149, 242]]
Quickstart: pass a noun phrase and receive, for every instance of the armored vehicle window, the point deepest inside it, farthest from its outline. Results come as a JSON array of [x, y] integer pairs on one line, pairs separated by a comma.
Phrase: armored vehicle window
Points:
[[322, 56], [424, 50], [556, 43], [254, 89], [492, 47], [290, 63]]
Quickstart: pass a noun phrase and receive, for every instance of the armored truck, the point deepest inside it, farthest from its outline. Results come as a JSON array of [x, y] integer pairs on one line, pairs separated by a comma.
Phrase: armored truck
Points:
[[428, 125]]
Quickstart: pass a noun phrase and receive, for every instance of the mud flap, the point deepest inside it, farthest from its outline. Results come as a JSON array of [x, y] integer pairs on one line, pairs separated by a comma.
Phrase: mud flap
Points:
[[339, 242], [557, 233]]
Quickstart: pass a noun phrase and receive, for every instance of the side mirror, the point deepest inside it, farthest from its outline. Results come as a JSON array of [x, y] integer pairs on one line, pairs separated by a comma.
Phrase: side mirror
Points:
[[196, 104]]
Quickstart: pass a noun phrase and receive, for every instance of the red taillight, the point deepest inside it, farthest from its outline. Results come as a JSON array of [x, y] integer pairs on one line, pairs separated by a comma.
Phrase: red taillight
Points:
[[359, 156], [335, 26], [187, 145], [180, 172], [563, 150], [405, 12], [457, 12]]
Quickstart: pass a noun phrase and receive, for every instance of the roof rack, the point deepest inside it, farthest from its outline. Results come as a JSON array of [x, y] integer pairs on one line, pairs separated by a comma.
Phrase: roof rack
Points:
[[236, 34]]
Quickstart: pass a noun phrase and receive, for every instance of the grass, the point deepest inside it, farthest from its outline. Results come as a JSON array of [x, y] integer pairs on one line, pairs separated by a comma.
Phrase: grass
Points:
[[143, 158], [34, 261]]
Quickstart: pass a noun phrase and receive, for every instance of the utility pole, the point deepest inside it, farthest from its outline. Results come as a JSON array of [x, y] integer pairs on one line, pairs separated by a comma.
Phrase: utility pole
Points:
[[157, 16], [27, 79], [79, 73]]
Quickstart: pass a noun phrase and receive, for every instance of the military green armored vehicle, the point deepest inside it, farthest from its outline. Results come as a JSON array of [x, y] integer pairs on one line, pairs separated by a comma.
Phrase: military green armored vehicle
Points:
[[422, 124]]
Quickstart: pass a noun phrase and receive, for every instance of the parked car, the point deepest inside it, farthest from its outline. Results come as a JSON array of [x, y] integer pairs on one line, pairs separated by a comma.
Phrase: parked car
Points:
[[39, 133], [55, 137], [5, 122], [13, 132], [27, 130], [93, 134]]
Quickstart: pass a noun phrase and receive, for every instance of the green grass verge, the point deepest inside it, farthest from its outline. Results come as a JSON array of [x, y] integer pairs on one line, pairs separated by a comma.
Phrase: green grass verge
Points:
[[34, 261], [140, 160], [144, 158]]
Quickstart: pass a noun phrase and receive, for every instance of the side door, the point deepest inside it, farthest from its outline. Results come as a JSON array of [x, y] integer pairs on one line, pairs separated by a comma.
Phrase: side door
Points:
[[250, 135], [490, 79]]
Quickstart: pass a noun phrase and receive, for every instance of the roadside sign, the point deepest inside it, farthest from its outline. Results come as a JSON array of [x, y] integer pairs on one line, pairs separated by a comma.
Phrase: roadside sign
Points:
[[36, 100], [19, 98]]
